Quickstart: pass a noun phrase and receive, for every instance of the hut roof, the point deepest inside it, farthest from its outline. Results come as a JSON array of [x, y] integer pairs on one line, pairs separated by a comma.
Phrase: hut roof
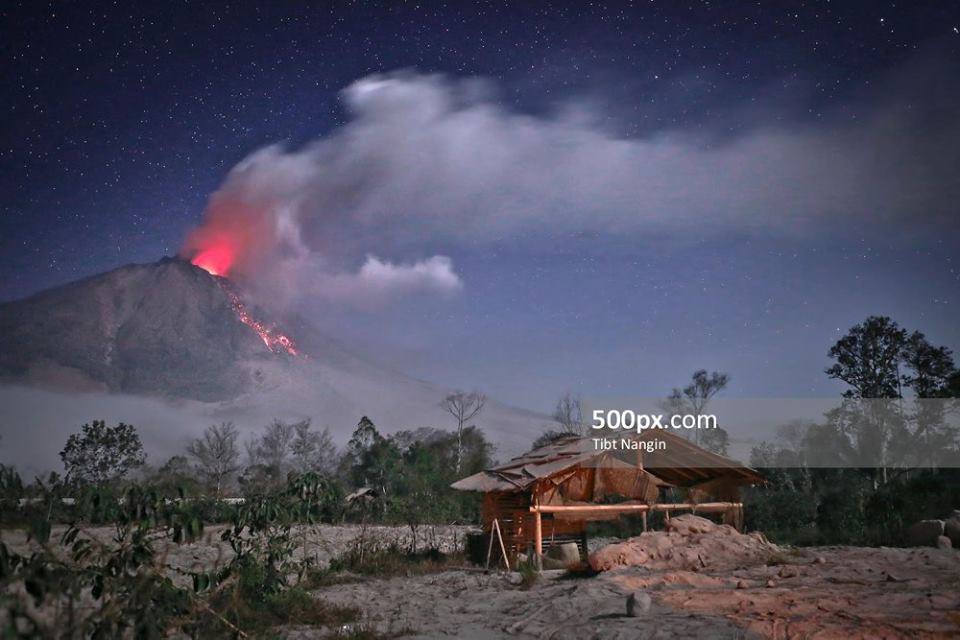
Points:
[[680, 463]]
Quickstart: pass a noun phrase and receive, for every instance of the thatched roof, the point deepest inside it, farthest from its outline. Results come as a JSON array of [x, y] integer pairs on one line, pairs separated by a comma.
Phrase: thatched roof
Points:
[[682, 463]]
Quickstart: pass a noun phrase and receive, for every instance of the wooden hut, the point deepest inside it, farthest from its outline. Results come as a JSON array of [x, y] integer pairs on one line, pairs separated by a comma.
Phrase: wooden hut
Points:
[[548, 495]]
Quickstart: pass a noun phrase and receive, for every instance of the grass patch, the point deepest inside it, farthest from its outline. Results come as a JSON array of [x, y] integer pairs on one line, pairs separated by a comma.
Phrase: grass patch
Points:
[[293, 606], [529, 573], [387, 562], [255, 602]]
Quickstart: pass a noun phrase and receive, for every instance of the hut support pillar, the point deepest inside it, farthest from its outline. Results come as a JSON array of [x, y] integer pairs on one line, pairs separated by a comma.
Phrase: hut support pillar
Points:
[[538, 538]]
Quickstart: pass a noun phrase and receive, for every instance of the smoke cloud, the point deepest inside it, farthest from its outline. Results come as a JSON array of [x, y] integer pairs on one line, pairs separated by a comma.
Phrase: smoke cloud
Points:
[[427, 161], [378, 281]]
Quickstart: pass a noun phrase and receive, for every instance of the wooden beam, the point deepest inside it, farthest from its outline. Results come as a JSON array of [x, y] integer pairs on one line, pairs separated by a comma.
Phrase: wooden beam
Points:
[[625, 508]]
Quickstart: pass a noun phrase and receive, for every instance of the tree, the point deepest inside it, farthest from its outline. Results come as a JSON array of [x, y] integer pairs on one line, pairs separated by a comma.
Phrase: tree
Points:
[[716, 440], [100, 454], [313, 450], [276, 444], [175, 475], [703, 387], [372, 460], [270, 453], [569, 415], [929, 371], [217, 454], [929, 368], [877, 359], [868, 358], [464, 407], [693, 399]]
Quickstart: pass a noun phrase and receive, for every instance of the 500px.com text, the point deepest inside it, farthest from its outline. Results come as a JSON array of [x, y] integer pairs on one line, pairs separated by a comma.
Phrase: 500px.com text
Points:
[[628, 420]]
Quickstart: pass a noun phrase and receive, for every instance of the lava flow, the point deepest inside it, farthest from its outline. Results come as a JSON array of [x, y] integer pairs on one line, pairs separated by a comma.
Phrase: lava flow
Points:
[[275, 341], [217, 259]]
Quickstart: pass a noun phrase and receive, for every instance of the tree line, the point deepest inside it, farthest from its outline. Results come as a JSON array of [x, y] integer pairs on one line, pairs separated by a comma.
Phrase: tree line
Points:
[[401, 478], [884, 458]]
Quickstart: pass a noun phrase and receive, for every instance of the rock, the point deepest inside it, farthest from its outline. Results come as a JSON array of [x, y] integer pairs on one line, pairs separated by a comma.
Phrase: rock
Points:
[[690, 524], [691, 543], [951, 528], [742, 584], [925, 533], [567, 554], [771, 584], [819, 560], [638, 604], [943, 542], [788, 572]]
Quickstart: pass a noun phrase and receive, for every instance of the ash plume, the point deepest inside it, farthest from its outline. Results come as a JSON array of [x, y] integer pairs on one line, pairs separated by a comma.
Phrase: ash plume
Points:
[[428, 161]]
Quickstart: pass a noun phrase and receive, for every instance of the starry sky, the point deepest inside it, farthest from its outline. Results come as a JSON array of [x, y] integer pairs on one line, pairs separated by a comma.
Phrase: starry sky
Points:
[[120, 121]]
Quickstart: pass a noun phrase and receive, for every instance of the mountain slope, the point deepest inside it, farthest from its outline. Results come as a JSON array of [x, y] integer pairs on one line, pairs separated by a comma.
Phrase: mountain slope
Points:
[[166, 328], [164, 346]]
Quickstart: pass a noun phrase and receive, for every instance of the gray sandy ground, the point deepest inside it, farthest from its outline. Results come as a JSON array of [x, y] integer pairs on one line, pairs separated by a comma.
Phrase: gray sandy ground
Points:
[[835, 592]]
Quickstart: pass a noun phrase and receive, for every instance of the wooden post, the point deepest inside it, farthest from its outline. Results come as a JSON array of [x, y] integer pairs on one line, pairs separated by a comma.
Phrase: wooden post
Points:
[[495, 529], [538, 538], [493, 526], [503, 549], [640, 467]]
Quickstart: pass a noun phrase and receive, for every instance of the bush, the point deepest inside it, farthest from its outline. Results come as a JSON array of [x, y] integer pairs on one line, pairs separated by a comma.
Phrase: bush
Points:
[[40, 593]]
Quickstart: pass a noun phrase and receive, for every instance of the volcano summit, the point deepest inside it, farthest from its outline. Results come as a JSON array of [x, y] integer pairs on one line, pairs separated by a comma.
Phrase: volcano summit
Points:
[[167, 328]]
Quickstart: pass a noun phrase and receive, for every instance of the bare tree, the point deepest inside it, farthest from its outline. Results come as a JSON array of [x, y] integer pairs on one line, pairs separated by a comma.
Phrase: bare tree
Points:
[[464, 407], [313, 450], [703, 387], [694, 397], [275, 445], [568, 414], [217, 454]]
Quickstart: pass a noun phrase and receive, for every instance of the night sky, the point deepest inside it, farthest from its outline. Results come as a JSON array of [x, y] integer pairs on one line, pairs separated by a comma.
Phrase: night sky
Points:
[[121, 121]]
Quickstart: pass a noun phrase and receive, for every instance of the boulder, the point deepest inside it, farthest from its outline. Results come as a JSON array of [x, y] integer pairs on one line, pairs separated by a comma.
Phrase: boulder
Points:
[[689, 524], [690, 543], [567, 553], [943, 542], [925, 533], [951, 528], [638, 604]]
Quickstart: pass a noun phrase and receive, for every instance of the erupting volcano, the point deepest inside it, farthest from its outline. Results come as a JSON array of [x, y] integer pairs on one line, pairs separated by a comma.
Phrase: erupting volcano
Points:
[[216, 259], [163, 328], [170, 329]]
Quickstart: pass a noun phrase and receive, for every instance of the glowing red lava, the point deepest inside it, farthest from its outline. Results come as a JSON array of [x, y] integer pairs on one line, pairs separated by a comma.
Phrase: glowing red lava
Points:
[[216, 259], [275, 341]]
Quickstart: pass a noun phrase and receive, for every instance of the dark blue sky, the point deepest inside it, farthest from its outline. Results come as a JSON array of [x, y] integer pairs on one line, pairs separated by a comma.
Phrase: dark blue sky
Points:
[[119, 122]]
